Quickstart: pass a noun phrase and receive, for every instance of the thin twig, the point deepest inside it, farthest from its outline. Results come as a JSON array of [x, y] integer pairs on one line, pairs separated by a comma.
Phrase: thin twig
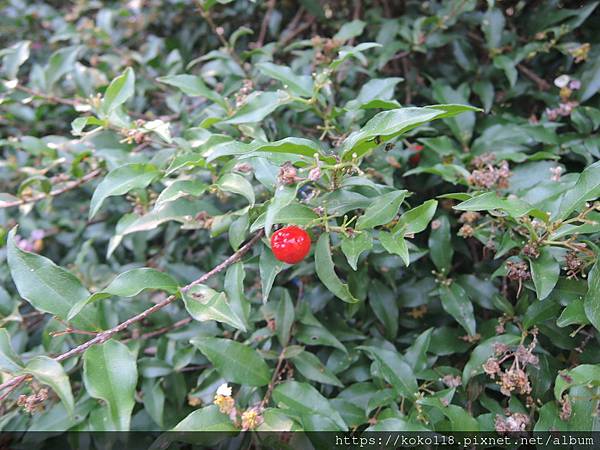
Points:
[[67, 187], [542, 84], [295, 32], [274, 378], [104, 336], [265, 23], [49, 98]]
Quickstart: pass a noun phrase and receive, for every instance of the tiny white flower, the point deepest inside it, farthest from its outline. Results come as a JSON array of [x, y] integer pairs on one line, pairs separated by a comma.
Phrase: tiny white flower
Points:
[[224, 390], [562, 81]]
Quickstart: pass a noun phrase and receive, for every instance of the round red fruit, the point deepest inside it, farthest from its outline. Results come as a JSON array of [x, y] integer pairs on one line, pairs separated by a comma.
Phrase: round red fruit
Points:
[[290, 244]]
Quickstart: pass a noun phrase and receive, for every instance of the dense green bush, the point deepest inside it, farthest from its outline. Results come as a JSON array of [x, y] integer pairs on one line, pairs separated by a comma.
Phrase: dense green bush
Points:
[[442, 155]]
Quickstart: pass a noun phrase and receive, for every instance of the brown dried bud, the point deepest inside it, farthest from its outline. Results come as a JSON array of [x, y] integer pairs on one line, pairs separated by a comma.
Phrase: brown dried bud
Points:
[[466, 231], [492, 367], [287, 174]]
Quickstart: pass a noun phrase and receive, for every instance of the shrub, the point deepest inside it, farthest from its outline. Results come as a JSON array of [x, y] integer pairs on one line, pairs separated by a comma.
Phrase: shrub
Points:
[[441, 156]]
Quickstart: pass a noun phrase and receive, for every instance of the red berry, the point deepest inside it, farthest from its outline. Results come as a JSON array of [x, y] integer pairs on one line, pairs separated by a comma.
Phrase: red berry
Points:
[[290, 244]]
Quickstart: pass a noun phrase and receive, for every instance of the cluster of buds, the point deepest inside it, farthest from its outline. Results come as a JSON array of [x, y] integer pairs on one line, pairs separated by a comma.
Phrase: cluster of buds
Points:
[[531, 249], [512, 422], [565, 408], [566, 106], [517, 270], [34, 402], [325, 49], [556, 173], [488, 174], [452, 381], [35, 242], [250, 419], [287, 174], [242, 95], [513, 379], [574, 264]]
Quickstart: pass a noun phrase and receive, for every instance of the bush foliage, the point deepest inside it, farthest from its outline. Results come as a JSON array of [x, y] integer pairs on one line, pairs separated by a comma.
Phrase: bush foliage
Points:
[[442, 155]]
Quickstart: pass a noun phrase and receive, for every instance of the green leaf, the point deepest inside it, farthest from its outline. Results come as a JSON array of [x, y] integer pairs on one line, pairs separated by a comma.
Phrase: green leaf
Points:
[[283, 196], [290, 145], [313, 369], [257, 106], [130, 284], [154, 400], [120, 181], [395, 244], [293, 214], [303, 400], [284, 318], [13, 57], [50, 372], [456, 303], [182, 210], [544, 272], [9, 360], [394, 369], [118, 92], [326, 272], [110, 374], [375, 93], [206, 419], [482, 352], [269, 267], [236, 362], [416, 220], [48, 287], [382, 211], [301, 85], [59, 64], [461, 124], [440, 244], [584, 374], [350, 30], [389, 124], [574, 314], [587, 188], [237, 184], [193, 86], [355, 245], [384, 304], [234, 289], [492, 27], [204, 303], [178, 189], [490, 201], [592, 298]]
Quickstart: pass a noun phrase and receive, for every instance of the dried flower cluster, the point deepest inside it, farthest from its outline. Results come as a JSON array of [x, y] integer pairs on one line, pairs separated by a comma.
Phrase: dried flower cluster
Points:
[[515, 378], [34, 402], [488, 174], [512, 422]]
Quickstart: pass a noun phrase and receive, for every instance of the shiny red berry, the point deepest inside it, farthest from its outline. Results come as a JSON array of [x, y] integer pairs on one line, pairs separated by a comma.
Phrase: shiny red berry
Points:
[[290, 244]]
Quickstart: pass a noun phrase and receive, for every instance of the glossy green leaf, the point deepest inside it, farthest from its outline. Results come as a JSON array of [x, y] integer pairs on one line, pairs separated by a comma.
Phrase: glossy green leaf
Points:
[[313, 369], [206, 419], [110, 374], [456, 303], [544, 272], [390, 124], [204, 303], [587, 188], [269, 267], [354, 246], [394, 369], [441, 250], [416, 220], [48, 287], [48, 371], [193, 86], [395, 244], [592, 298], [236, 184], [301, 400], [178, 189], [382, 211], [326, 271], [236, 362], [297, 84], [9, 360], [119, 91], [120, 181]]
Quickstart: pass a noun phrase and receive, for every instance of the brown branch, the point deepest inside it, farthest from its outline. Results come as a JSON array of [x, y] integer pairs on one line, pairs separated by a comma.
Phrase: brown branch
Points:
[[295, 32], [542, 84], [104, 336], [265, 23], [159, 331], [274, 379], [67, 187], [50, 98]]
